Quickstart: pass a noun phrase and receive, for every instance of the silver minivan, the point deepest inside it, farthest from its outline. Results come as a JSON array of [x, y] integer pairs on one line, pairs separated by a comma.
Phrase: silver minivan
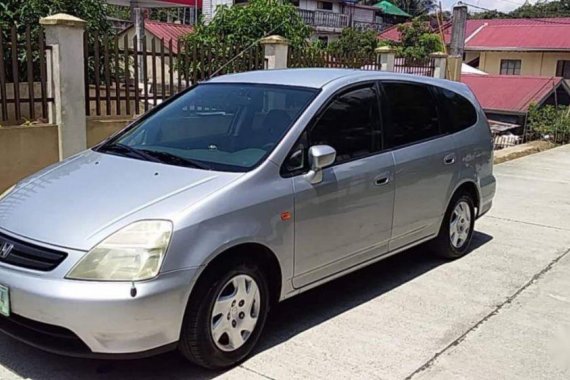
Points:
[[182, 230]]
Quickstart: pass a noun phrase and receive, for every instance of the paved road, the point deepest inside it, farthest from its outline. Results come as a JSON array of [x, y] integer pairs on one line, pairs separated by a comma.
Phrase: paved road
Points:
[[503, 311]]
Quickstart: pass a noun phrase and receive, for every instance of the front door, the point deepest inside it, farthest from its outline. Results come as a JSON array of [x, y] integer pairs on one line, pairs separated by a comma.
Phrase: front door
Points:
[[347, 218]]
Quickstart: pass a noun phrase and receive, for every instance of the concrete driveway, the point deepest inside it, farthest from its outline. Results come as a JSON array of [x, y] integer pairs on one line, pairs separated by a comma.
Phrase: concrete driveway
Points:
[[503, 311]]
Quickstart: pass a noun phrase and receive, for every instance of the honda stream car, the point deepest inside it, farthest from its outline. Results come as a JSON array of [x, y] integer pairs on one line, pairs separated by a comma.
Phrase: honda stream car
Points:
[[182, 230]]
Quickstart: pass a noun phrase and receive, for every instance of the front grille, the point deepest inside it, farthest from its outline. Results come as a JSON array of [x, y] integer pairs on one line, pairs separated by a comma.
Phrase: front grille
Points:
[[25, 255]]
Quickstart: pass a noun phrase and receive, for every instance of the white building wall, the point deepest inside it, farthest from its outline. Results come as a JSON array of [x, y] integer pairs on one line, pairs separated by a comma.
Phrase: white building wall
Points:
[[209, 8], [312, 5]]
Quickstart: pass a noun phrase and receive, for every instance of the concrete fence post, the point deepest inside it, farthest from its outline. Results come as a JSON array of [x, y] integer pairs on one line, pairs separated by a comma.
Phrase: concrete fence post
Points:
[[440, 65], [64, 34], [276, 50], [386, 58]]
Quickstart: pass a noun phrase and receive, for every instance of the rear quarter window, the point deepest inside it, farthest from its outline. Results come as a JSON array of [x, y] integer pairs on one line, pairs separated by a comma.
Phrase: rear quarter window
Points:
[[461, 113]]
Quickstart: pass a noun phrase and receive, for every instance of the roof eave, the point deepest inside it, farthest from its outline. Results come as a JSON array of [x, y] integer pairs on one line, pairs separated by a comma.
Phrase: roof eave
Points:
[[515, 49], [505, 112]]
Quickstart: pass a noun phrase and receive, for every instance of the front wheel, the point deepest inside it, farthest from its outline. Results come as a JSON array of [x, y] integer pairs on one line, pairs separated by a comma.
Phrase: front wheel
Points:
[[225, 316], [457, 228]]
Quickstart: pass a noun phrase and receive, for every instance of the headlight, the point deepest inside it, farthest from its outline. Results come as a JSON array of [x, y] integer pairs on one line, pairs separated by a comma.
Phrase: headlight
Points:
[[134, 253], [5, 194]]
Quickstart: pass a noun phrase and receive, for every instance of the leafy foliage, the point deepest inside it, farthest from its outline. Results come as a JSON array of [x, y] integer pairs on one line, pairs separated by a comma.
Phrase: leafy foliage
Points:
[[538, 10], [236, 29], [24, 13], [550, 122], [417, 41], [354, 42], [29, 12], [243, 25]]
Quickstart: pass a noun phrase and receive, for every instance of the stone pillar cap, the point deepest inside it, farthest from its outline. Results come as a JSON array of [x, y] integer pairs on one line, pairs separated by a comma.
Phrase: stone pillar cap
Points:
[[275, 39], [384, 49], [63, 19]]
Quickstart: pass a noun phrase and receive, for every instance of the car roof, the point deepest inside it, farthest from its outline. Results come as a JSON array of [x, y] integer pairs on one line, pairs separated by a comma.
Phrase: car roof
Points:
[[316, 78], [324, 77]]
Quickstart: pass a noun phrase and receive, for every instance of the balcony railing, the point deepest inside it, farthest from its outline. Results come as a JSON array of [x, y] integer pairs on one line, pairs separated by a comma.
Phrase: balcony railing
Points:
[[363, 25], [336, 20], [324, 19]]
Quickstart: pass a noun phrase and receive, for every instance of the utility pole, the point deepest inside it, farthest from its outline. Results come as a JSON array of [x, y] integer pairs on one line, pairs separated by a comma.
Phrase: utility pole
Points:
[[457, 46], [458, 29]]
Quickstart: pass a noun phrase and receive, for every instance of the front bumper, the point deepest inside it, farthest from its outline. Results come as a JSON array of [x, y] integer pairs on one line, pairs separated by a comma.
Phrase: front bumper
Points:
[[96, 317]]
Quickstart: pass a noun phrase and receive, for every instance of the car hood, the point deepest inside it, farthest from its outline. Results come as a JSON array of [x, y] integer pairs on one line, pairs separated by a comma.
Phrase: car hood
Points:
[[78, 202]]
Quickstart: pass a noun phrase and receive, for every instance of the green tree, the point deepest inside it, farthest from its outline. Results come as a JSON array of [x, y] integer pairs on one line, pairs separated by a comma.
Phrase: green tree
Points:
[[23, 13], [416, 41], [549, 122], [354, 42], [28, 12], [538, 10], [542, 9], [230, 38], [243, 25]]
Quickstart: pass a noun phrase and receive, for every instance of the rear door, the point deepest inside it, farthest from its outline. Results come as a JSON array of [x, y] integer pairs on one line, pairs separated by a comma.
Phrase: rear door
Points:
[[425, 160]]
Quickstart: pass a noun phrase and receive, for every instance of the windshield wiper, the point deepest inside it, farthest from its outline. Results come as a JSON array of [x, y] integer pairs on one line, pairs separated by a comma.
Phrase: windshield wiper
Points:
[[169, 158], [122, 148]]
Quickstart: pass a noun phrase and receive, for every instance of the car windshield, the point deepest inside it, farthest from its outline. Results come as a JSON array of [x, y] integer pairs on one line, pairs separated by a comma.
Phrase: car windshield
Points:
[[227, 127]]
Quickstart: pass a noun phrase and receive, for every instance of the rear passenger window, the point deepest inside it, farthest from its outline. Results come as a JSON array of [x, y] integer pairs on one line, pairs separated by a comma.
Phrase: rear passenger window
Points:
[[349, 124], [460, 111], [410, 113]]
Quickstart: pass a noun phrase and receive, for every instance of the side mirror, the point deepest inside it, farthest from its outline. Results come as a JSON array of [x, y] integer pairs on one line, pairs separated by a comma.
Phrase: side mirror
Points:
[[320, 156]]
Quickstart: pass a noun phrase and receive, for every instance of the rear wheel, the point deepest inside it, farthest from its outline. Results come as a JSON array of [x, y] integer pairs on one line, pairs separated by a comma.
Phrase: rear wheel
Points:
[[457, 228], [225, 316]]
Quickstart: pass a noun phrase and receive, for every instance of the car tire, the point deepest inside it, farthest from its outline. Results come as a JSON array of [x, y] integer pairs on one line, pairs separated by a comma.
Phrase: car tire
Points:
[[456, 229], [215, 311]]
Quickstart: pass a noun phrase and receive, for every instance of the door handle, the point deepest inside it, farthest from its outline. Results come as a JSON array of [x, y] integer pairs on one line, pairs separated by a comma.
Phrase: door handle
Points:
[[381, 180], [449, 159]]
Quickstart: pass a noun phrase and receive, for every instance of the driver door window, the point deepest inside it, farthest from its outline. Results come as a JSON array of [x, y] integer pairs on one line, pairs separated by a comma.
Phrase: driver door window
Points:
[[350, 125]]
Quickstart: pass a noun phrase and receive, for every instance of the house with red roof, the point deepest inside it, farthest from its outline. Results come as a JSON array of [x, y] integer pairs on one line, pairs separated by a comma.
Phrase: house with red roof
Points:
[[507, 98], [162, 38], [532, 47]]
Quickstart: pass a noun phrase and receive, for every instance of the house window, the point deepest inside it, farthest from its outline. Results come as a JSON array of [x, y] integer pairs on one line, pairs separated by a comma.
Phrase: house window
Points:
[[325, 5], [240, 1], [510, 67], [295, 2], [563, 69]]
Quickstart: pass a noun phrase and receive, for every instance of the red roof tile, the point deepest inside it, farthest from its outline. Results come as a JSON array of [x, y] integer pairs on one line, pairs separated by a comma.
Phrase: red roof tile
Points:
[[512, 93], [543, 33], [168, 32], [536, 37]]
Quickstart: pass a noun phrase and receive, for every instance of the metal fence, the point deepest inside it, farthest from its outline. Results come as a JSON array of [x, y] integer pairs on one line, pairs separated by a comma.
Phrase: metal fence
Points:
[[23, 76], [125, 76], [310, 57], [423, 67]]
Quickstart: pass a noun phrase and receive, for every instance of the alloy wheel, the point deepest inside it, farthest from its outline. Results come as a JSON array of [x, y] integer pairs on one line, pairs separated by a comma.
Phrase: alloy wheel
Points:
[[235, 313], [460, 224]]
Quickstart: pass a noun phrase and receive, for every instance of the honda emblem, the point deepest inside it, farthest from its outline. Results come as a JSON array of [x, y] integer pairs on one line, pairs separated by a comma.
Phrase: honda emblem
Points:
[[5, 249]]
